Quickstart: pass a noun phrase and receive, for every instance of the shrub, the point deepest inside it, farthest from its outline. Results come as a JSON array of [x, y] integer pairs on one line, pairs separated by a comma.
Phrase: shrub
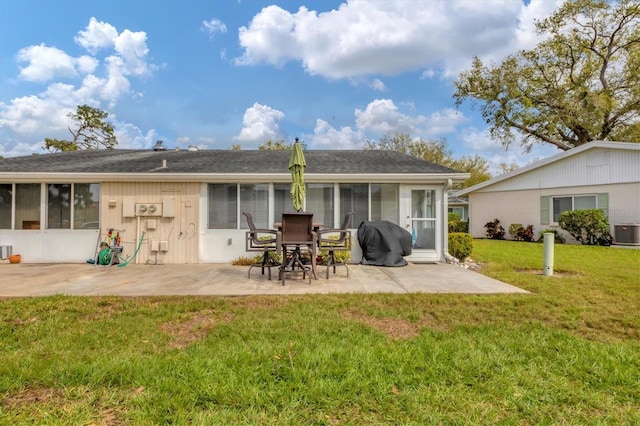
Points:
[[460, 245], [520, 233], [341, 256], [557, 237], [514, 228], [589, 227], [494, 230], [243, 261], [456, 224]]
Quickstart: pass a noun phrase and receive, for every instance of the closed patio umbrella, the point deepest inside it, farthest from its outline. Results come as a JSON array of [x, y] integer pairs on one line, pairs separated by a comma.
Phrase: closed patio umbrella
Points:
[[297, 165]]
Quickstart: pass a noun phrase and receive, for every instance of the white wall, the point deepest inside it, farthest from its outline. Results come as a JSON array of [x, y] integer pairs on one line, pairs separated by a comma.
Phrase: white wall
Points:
[[524, 206]]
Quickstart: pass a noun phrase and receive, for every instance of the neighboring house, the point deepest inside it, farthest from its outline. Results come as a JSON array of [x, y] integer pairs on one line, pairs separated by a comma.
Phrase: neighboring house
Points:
[[186, 205], [458, 205], [603, 175]]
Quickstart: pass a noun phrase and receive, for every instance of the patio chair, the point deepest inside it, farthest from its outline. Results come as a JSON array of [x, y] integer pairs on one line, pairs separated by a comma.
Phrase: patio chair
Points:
[[261, 240], [337, 239], [297, 235]]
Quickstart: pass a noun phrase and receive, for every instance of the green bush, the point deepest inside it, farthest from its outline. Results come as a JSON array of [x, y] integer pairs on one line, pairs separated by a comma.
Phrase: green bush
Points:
[[460, 245], [520, 233], [557, 237], [514, 228], [494, 230], [456, 224], [589, 227], [341, 256]]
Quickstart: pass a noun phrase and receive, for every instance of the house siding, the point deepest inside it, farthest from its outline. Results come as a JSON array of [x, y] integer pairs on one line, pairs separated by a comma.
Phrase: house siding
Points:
[[524, 206], [179, 232], [597, 166]]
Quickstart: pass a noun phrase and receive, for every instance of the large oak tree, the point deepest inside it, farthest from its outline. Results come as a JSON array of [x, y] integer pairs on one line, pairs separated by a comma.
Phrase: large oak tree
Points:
[[581, 83]]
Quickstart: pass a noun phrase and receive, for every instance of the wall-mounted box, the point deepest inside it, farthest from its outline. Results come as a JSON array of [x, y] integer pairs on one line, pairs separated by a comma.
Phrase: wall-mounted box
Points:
[[168, 207], [151, 224], [112, 203], [164, 245], [155, 245], [128, 207]]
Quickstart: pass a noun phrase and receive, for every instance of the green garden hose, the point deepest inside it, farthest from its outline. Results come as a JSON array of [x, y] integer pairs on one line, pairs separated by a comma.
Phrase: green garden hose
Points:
[[122, 265]]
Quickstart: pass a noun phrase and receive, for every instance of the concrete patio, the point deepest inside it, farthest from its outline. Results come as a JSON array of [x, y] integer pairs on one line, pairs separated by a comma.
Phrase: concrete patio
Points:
[[40, 279]]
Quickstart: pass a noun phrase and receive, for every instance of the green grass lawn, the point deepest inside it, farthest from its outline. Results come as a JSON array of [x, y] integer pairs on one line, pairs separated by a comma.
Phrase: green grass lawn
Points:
[[568, 353]]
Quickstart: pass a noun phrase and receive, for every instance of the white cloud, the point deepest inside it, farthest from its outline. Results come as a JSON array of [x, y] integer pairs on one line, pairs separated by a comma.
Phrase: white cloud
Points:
[[382, 116], [213, 27], [132, 137], [268, 39], [327, 137], [45, 114], [260, 124], [388, 37], [98, 35], [481, 143], [132, 48], [46, 63], [526, 37], [378, 85]]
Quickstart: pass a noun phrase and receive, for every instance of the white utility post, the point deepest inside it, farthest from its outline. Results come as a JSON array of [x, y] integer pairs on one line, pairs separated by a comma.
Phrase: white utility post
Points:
[[549, 239]]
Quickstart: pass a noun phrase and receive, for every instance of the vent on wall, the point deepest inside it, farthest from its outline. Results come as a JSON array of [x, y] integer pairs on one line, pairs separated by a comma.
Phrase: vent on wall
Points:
[[627, 234]]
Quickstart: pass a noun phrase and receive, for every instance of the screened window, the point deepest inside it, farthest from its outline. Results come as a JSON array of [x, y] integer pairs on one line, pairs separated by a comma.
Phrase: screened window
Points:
[[27, 214], [354, 197], [578, 202], [59, 206], [385, 199], [459, 211], [281, 200], [254, 198], [86, 205], [319, 201], [6, 197], [223, 206]]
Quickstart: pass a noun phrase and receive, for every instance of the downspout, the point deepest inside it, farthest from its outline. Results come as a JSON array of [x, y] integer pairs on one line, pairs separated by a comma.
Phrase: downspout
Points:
[[447, 256]]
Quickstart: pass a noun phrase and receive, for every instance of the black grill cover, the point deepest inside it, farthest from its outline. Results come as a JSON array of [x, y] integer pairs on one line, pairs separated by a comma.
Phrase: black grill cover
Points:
[[383, 243]]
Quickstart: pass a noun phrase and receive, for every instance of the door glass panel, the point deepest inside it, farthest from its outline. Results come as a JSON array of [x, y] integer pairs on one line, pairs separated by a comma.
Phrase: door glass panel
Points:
[[423, 234], [423, 218]]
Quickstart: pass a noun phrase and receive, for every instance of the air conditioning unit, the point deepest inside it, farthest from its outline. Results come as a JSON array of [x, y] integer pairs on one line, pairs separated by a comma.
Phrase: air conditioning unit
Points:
[[6, 252], [627, 234], [150, 209]]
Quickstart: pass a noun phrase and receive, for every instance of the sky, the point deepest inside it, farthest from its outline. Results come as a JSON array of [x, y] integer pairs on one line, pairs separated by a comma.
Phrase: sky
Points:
[[214, 74]]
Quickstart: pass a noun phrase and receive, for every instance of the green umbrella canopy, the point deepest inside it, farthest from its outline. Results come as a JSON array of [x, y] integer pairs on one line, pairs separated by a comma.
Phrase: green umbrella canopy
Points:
[[297, 165]]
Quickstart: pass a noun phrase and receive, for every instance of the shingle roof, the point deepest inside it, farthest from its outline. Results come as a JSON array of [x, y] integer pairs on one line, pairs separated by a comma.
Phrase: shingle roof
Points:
[[218, 161]]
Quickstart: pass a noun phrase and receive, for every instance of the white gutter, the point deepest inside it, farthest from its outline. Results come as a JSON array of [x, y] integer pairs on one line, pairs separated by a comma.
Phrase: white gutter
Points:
[[232, 177]]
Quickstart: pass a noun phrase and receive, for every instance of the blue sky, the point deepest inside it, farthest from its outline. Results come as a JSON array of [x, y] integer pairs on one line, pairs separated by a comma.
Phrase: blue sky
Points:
[[219, 73]]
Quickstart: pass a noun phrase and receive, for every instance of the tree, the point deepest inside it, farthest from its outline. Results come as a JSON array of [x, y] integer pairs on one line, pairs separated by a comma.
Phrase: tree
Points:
[[279, 145], [93, 132], [581, 83], [435, 151]]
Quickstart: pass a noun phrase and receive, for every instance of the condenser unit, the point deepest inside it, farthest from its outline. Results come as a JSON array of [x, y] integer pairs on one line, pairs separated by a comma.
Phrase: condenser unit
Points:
[[627, 234]]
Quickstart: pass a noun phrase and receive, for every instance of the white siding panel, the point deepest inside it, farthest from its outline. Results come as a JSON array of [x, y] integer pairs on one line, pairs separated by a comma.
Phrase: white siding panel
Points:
[[592, 167]]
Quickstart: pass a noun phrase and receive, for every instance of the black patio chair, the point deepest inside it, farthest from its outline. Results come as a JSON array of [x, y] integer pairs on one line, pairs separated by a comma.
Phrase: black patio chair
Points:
[[296, 236], [261, 240], [336, 239]]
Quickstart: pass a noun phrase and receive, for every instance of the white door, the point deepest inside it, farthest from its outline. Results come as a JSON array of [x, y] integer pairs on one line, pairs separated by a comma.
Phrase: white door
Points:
[[422, 206]]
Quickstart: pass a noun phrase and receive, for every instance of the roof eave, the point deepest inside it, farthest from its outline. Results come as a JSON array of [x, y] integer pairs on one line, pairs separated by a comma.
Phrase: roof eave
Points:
[[232, 177]]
